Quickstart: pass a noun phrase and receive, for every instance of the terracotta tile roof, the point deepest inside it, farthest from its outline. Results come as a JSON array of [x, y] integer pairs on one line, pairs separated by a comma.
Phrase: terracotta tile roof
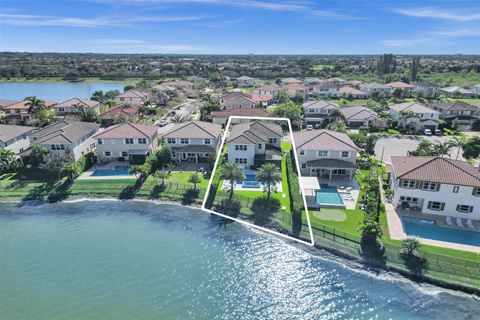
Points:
[[133, 94], [118, 111], [5, 102], [295, 86], [323, 140], [350, 90], [23, 104], [270, 88], [194, 129], [259, 98], [436, 169], [400, 85], [246, 112], [128, 130], [82, 102]]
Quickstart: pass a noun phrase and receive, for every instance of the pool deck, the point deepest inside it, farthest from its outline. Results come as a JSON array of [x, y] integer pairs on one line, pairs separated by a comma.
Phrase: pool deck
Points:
[[397, 231], [87, 175]]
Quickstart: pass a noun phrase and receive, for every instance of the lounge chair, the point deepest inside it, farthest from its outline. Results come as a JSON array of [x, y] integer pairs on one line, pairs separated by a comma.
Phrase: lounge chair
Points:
[[349, 188], [460, 223], [448, 220], [470, 224]]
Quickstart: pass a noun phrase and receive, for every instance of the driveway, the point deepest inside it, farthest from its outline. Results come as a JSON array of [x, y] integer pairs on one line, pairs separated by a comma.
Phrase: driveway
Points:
[[390, 146]]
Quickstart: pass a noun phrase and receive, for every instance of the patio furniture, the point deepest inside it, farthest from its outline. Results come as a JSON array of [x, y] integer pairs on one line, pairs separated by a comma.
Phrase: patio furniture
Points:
[[470, 224], [349, 188], [460, 223], [448, 220], [341, 187]]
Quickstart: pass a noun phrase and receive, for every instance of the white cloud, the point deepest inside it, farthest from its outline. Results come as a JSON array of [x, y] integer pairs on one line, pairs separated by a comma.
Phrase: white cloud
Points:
[[28, 20], [458, 33], [435, 13], [414, 42]]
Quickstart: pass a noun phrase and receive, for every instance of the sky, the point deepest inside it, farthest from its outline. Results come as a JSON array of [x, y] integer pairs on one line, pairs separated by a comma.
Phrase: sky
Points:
[[241, 26]]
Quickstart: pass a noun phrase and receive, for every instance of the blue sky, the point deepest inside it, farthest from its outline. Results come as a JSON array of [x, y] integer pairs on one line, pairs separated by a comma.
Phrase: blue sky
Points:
[[241, 26]]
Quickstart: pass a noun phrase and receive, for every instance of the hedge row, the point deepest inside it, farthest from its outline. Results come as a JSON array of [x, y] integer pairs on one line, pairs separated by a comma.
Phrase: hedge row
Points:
[[296, 202]]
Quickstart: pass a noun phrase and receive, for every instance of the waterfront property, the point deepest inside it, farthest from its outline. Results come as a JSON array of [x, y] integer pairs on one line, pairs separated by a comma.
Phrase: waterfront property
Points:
[[317, 112], [19, 113], [71, 106], [15, 138], [443, 188], [127, 141], [126, 112], [75, 136], [132, 98], [254, 143], [414, 116], [193, 141], [326, 154]]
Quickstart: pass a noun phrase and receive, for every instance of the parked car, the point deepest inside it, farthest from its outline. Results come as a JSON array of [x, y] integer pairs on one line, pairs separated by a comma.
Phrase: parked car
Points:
[[427, 132], [438, 132], [162, 123], [309, 127]]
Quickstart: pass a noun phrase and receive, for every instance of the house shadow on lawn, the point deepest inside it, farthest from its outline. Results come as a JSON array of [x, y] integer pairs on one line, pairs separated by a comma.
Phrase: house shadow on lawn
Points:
[[51, 191], [263, 208], [131, 190]]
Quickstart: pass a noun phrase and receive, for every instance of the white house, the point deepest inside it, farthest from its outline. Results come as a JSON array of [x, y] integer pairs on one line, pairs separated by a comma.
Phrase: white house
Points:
[[245, 81], [436, 185], [405, 88], [130, 141], [234, 100], [358, 116], [316, 112], [65, 135], [376, 89], [193, 141], [132, 97], [326, 154], [15, 138], [70, 106], [476, 89], [271, 90], [414, 115], [253, 143], [327, 89]]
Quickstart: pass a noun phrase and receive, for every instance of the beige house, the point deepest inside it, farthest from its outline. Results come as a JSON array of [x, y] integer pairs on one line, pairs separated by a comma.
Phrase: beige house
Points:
[[65, 135], [221, 117], [414, 116], [317, 112], [325, 154], [17, 113], [374, 89], [358, 116], [351, 92], [406, 88], [461, 114], [271, 90], [70, 106], [193, 141], [236, 100], [296, 89], [130, 141], [132, 97]]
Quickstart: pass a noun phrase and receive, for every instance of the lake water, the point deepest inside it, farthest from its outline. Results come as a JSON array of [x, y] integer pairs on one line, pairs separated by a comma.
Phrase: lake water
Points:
[[56, 91], [134, 260]]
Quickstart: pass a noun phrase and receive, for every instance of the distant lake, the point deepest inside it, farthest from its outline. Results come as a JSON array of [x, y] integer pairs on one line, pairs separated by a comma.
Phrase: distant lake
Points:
[[56, 91]]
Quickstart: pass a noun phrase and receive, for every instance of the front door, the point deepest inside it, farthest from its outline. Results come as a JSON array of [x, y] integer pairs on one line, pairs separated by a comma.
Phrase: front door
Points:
[[184, 156]]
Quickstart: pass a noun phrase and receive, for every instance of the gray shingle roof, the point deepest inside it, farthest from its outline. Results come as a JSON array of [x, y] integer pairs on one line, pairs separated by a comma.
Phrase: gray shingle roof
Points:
[[194, 129], [8, 132], [64, 132], [323, 140], [358, 113], [254, 132]]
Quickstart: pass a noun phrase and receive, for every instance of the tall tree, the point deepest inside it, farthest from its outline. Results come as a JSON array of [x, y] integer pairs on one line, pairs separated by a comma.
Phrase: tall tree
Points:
[[471, 149], [8, 160], [231, 171], [35, 104], [269, 175], [386, 64], [414, 68]]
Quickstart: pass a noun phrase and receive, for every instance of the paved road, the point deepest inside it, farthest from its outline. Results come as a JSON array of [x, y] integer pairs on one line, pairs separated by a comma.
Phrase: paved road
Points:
[[400, 146]]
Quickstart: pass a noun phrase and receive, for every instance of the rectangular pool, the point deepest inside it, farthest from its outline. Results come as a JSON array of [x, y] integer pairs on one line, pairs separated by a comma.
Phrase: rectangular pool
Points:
[[328, 196], [108, 172], [250, 181], [428, 229]]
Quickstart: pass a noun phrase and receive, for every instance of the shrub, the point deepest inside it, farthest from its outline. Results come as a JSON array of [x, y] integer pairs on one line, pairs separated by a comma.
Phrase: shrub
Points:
[[296, 202], [393, 132]]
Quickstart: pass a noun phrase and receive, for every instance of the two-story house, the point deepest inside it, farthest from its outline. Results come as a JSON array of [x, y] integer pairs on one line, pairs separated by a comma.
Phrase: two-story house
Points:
[[234, 100], [375, 89], [414, 116], [114, 114], [71, 106], [325, 154], [271, 90], [296, 89], [18, 113], [357, 116], [458, 112], [221, 117], [132, 98], [427, 89], [436, 185], [317, 112], [59, 137], [405, 88], [15, 138], [457, 92], [193, 141], [327, 89], [254, 143], [130, 141], [245, 81]]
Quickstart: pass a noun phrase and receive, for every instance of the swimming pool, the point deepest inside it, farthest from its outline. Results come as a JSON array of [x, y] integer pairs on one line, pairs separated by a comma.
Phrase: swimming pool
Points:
[[115, 171], [428, 229], [329, 196], [250, 181]]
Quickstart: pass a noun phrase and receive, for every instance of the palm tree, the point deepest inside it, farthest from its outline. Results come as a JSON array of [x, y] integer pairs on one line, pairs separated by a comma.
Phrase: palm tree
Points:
[[7, 159], [442, 148], [231, 171], [177, 118], [109, 103], [195, 178], [269, 175], [459, 142], [162, 175], [35, 105]]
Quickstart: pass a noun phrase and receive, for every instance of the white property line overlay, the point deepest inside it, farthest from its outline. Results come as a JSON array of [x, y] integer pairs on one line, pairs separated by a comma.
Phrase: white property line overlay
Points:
[[311, 243]]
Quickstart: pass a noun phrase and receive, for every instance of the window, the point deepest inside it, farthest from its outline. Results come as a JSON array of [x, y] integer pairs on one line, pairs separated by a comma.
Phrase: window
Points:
[[435, 205], [184, 140], [128, 141], [207, 141], [260, 146], [108, 153], [124, 154], [409, 199], [304, 165], [61, 109], [408, 184], [241, 160], [322, 153], [302, 152], [430, 186], [171, 140], [455, 189], [272, 140], [464, 208], [58, 147], [241, 147], [142, 141], [345, 154], [476, 192], [100, 141]]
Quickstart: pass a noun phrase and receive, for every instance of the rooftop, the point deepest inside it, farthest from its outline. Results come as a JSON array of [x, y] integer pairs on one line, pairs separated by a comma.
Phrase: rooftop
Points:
[[64, 132], [323, 140], [254, 132], [8, 132], [411, 106], [194, 129], [128, 130]]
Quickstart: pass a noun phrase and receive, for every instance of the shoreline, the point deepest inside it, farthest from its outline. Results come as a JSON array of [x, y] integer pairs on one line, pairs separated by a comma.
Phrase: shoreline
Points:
[[321, 250]]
